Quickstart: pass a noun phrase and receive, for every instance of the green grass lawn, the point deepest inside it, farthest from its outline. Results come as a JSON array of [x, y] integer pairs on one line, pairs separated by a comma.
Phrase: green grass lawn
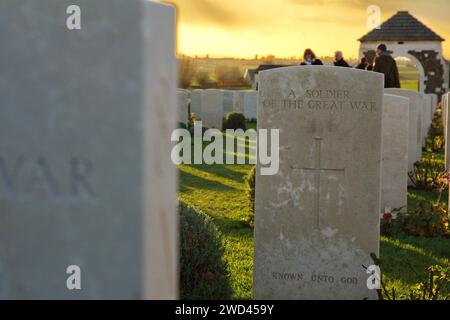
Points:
[[409, 77], [219, 190], [410, 84]]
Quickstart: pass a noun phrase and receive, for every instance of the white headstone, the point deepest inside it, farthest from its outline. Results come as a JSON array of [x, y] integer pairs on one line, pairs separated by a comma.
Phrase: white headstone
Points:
[[212, 108], [414, 115], [420, 125], [196, 103], [239, 101], [251, 105], [317, 219], [445, 105], [183, 106], [86, 182], [395, 152], [428, 110], [434, 103], [228, 101], [443, 99]]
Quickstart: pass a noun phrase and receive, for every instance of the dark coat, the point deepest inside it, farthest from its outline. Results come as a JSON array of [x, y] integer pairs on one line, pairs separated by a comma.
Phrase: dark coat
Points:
[[362, 66], [386, 64], [317, 62], [341, 63]]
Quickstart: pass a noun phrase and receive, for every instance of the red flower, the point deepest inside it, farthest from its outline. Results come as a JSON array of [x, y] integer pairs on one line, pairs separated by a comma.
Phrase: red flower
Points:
[[387, 216]]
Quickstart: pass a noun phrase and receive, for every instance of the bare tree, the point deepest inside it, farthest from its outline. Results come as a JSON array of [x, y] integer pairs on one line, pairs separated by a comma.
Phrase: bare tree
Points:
[[202, 77]]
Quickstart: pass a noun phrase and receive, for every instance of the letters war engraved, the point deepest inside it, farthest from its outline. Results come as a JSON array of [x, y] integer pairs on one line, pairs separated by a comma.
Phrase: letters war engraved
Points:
[[23, 178], [321, 100], [316, 278]]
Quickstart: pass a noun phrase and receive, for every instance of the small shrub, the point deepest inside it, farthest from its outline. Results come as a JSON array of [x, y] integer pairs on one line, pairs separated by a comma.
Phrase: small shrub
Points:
[[203, 273], [250, 191], [428, 220], [426, 173], [435, 141], [234, 121], [433, 285], [389, 225], [437, 144], [436, 280]]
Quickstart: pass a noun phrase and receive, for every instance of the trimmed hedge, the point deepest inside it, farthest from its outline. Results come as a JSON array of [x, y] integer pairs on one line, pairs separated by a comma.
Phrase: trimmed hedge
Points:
[[234, 121], [250, 191], [203, 272]]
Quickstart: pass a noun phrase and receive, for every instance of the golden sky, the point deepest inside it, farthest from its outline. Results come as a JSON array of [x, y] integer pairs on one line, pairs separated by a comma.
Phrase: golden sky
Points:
[[244, 28]]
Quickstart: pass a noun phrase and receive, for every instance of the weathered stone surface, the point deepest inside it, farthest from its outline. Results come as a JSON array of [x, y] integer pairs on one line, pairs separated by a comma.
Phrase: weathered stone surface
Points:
[[427, 117], [239, 101], [212, 108], [445, 105], [251, 105], [196, 103], [395, 152], [183, 106], [228, 101], [317, 219], [85, 171], [414, 147]]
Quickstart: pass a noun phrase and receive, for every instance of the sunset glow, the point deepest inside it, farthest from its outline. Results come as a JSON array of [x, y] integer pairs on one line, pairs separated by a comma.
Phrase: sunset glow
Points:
[[245, 28]]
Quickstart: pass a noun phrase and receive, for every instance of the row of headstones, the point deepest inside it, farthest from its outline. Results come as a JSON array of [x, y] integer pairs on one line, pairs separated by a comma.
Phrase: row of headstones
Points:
[[211, 105], [446, 121], [88, 189], [346, 146], [407, 117]]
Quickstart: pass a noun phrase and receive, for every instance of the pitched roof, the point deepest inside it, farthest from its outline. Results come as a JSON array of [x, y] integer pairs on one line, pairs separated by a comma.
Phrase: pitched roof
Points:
[[402, 27]]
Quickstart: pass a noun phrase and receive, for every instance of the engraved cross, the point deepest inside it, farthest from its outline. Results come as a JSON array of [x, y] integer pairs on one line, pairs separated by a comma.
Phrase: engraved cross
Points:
[[318, 172]]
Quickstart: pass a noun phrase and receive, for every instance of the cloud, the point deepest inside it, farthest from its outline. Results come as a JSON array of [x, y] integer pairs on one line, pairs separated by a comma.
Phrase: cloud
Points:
[[213, 12], [281, 25]]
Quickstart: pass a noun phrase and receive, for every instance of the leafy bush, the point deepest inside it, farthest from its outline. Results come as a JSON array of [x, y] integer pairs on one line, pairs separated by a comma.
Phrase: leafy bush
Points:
[[389, 225], [234, 121], [437, 144], [203, 271], [250, 191], [435, 141], [427, 173], [433, 285], [428, 220]]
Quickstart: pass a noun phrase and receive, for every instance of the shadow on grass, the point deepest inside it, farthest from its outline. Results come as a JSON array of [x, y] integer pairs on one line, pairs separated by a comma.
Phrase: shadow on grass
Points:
[[203, 270], [191, 181], [226, 171], [405, 258]]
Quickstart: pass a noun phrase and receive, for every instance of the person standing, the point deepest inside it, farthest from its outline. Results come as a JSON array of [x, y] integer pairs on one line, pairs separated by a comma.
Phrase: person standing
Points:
[[363, 65], [384, 63], [339, 60], [309, 59]]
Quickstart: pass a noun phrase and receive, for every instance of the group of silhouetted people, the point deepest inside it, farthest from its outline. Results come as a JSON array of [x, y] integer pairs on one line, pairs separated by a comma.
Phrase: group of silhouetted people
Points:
[[383, 63]]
